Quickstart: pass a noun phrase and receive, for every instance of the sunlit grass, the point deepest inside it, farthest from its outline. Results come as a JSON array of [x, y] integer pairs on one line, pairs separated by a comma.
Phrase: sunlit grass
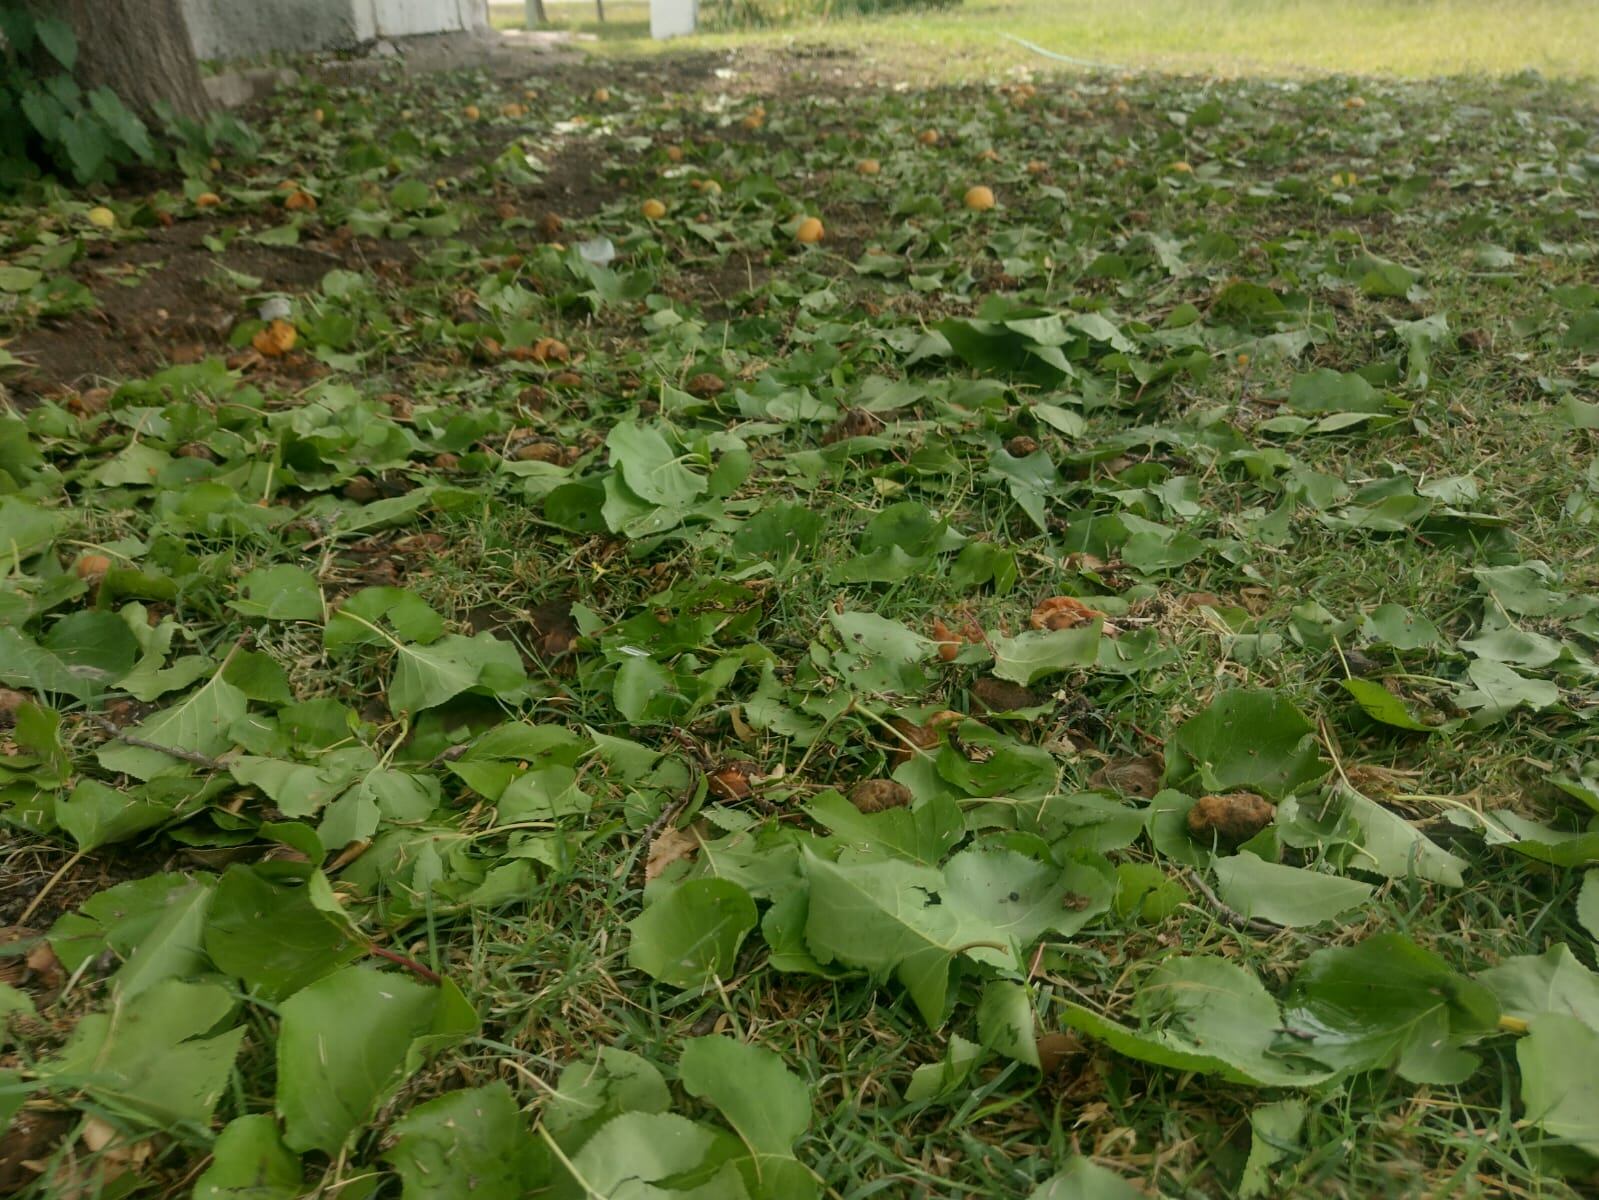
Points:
[[1408, 38]]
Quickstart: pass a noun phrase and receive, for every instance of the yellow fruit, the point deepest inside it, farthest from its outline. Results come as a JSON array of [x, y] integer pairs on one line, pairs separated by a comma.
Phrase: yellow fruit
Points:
[[810, 231], [207, 200], [214, 164], [711, 188], [653, 210], [318, 115], [511, 110], [276, 340], [102, 217], [868, 166], [602, 95], [1355, 102], [980, 199], [1181, 168], [1036, 167], [674, 154], [989, 155], [928, 137], [471, 112]]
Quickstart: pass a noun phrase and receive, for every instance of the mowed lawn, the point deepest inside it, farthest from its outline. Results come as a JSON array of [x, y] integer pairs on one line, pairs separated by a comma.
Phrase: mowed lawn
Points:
[[1404, 38]]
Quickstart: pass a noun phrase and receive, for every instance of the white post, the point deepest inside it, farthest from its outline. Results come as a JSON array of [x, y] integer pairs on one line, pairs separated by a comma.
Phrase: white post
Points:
[[673, 18]]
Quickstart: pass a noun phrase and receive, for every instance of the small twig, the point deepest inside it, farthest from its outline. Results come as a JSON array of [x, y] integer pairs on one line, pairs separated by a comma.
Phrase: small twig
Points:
[[38, 897], [410, 964], [191, 756], [1229, 914]]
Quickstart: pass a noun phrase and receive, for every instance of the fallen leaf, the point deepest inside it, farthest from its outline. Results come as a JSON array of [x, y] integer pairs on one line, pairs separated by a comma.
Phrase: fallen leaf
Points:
[[669, 846]]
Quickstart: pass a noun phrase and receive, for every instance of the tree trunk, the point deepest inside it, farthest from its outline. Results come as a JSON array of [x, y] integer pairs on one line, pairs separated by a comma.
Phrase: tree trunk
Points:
[[535, 14], [140, 49]]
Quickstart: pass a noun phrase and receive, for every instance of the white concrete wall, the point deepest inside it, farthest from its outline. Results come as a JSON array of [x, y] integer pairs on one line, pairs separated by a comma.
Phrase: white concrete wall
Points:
[[223, 29]]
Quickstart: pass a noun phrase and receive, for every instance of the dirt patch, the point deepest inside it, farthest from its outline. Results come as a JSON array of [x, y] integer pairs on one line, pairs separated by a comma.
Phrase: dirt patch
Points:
[[30, 870], [169, 298]]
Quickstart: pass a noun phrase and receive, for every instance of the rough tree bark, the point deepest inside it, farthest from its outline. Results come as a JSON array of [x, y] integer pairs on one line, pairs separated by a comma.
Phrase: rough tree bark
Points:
[[140, 49]]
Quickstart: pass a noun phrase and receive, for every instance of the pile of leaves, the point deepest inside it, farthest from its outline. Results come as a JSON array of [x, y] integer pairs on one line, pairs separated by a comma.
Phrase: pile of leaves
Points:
[[589, 697]]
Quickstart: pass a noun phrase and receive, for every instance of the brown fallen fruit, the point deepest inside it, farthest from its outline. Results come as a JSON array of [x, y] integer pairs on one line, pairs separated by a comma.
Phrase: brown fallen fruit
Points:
[[731, 781], [1129, 777], [91, 568], [1021, 446], [875, 795], [544, 452], [548, 349], [856, 422], [1062, 612], [10, 701], [998, 696], [550, 226], [926, 736], [1235, 817], [705, 385], [1054, 1049]]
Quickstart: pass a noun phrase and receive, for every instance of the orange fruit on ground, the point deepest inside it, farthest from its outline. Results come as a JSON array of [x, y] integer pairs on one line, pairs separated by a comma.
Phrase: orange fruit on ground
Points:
[[928, 137], [809, 231], [91, 568], [980, 198], [300, 200], [1036, 167], [207, 200], [602, 95], [471, 112], [674, 154], [1355, 102], [653, 210], [276, 340], [989, 155], [868, 166]]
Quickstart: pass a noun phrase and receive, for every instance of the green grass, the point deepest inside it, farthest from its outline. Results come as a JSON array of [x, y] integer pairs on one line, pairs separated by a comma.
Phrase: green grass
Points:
[[599, 522], [1407, 38]]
